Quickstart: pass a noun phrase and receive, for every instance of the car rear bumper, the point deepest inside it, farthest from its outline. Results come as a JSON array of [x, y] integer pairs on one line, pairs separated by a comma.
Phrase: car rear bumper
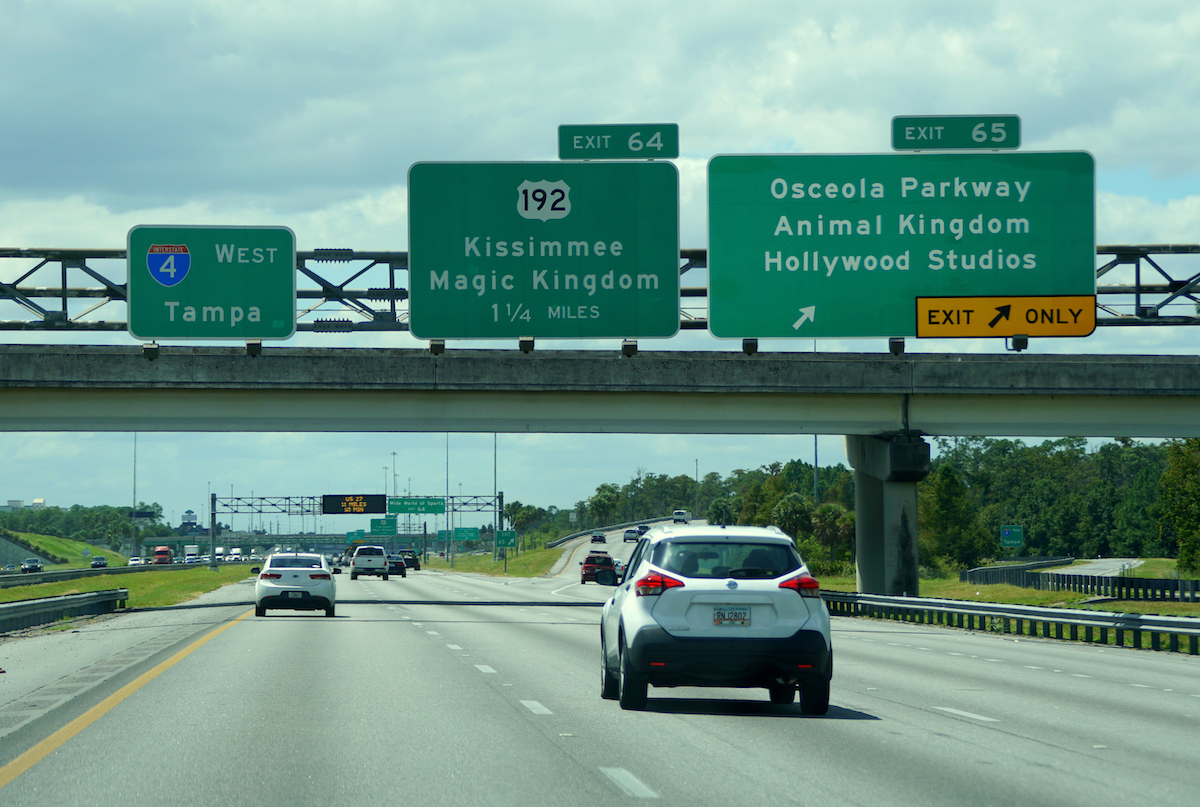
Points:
[[667, 660], [307, 602]]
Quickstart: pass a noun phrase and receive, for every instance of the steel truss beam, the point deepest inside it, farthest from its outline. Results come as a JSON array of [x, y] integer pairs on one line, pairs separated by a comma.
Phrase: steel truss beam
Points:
[[1152, 284]]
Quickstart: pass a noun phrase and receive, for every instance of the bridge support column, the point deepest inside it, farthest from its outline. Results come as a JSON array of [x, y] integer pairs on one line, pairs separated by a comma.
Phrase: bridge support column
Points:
[[886, 473]]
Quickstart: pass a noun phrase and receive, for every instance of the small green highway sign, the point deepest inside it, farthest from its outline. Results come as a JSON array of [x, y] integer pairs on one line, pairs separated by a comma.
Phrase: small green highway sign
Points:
[[193, 282], [466, 533], [619, 141], [1012, 536], [934, 132], [557, 250], [824, 246], [419, 504], [381, 527], [356, 535], [506, 539]]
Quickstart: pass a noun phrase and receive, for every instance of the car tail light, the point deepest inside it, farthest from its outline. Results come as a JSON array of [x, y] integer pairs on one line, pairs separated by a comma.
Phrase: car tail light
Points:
[[269, 576], [805, 585], [321, 576], [654, 584]]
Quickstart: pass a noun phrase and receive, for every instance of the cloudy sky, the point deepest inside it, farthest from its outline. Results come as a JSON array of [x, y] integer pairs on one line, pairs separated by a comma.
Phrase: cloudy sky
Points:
[[310, 115]]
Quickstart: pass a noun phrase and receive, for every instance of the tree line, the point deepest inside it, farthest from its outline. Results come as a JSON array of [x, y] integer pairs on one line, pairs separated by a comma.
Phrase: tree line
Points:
[[1122, 499], [101, 525]]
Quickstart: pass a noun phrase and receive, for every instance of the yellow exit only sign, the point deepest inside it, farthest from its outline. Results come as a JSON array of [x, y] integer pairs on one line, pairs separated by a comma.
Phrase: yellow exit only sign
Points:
[[1055, 315]]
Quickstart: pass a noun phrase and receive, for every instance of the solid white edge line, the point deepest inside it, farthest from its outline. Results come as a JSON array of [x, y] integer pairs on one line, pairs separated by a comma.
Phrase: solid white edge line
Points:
[[630, 784]]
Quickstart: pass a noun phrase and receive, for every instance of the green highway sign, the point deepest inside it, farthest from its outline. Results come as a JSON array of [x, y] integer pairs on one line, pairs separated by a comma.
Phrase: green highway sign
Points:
[[506, 539], [355, 535], [621, 141], [381, 527], [819, 246], [556, 250], [934, 132], [466, 533], [422, 504], [1012, 536], [192, 282], [443, 535]]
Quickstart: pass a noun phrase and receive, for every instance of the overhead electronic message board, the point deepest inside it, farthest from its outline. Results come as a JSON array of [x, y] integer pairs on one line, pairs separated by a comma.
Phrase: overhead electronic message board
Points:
[[845, 246], [556, 250], [211, 282], [365, 503]]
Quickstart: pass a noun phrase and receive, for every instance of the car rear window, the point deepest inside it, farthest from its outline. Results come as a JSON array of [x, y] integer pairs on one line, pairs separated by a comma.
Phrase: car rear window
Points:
[[600, 560], [723, 559], [278, 562], [369, 550]]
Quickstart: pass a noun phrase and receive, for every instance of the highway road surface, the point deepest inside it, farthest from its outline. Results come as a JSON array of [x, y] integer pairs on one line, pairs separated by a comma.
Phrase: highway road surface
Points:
[[455, 689]]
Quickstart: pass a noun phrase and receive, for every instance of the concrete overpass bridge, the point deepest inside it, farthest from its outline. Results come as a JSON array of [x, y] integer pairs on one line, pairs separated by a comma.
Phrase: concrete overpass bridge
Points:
[[886, 405]]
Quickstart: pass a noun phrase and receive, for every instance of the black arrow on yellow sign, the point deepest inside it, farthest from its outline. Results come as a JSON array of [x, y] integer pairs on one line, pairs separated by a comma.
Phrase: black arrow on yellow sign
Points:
[[1027, 315]]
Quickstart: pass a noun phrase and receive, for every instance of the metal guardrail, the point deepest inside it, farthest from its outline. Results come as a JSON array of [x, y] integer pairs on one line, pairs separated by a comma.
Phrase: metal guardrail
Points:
[[1025, 620], [1121, 588], [30, 579], [27, 613]]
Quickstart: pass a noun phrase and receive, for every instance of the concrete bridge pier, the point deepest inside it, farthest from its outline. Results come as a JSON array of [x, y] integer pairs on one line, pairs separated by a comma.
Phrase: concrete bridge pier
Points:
[[886, 473]]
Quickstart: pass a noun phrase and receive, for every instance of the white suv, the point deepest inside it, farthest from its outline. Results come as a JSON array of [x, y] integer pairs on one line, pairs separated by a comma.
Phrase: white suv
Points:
[[720, 607]]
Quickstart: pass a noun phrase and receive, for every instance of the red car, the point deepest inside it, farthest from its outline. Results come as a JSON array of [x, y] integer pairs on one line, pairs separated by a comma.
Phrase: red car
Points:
[[593, 562]]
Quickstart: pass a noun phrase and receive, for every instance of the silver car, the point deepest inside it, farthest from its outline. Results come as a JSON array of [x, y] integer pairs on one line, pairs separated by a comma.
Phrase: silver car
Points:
[[716, 606], [295, 581]]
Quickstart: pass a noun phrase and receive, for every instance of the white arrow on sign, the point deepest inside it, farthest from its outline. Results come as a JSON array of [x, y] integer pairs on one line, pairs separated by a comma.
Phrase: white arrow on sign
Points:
[[807, 314]]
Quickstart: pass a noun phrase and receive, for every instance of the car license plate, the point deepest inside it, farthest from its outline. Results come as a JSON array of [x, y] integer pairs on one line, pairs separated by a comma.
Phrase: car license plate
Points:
[[295, 595], [725, 615]]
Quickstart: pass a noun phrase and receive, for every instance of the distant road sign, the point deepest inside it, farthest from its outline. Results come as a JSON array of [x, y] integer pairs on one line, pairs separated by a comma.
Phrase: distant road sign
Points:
[[383, 527], [556, 250], [416, 505], [843, 245], [506, 539], [933, 132], [619, 141], [466, 533], [191, 282], [1006, 316], [1012, 536]]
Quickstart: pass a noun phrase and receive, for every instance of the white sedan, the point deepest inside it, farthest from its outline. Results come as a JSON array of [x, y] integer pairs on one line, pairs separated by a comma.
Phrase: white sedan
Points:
[[295, 581]]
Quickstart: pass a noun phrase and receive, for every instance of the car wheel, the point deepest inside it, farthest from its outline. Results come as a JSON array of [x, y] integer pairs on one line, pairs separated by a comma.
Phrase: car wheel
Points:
[[582, 580], [329, 611], [631, 687], [353, 576], [260, 611], [385, 577], [814, 698], [782, 693], [610, 685]]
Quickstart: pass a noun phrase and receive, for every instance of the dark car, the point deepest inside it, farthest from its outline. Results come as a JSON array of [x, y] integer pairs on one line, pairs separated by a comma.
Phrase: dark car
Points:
[[599, 537], [643, 529], [593, 563], [31, 565], [397, 565], [99, 562], [412, 560]]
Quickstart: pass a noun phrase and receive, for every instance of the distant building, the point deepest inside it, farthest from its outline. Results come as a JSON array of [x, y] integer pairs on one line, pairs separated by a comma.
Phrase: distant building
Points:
[[38, 504], [16, 504]]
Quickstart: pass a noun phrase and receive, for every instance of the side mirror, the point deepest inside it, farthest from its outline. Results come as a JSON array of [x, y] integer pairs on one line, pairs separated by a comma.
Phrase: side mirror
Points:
[[255, 569], [606, 577]]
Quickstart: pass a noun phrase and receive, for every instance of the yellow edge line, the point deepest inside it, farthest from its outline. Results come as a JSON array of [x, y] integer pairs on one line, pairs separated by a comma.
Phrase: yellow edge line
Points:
[[47, 746]]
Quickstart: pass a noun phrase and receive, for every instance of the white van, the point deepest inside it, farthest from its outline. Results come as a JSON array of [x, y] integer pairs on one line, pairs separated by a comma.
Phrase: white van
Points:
[[681, 517]]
